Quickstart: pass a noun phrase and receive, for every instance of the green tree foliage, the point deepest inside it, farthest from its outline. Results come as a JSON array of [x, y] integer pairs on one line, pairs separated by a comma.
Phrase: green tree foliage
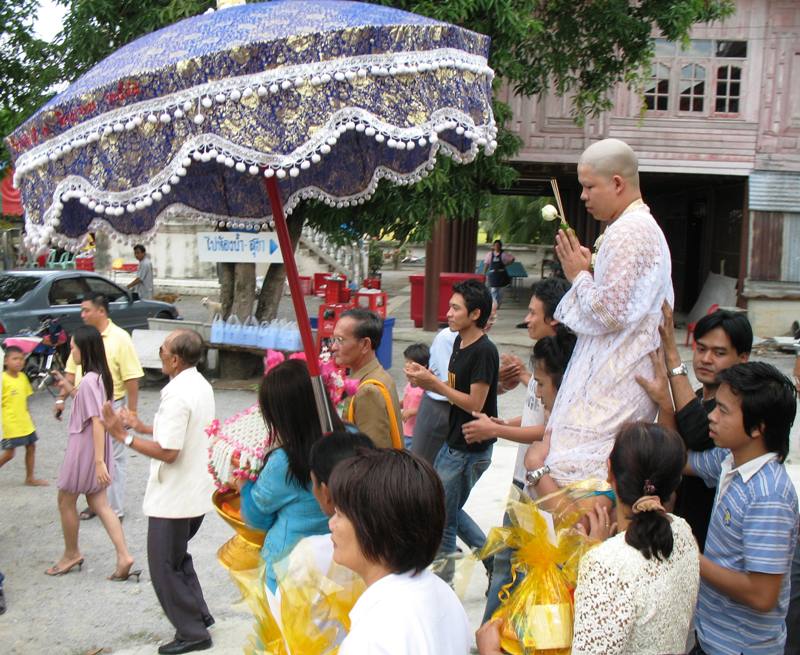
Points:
[[517, 219], [27, 68]]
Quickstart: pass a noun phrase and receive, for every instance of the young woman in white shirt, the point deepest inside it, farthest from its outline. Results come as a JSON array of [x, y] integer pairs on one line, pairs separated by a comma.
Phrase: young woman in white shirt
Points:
[[387, 528]]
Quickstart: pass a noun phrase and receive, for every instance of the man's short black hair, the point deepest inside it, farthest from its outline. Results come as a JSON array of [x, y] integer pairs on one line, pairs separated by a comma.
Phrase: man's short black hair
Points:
[[98, 300], [188, 346], [326, 453], [550, 291], [395, 501], [139, 248], [769, 402], [369, 325], [734, 324], [419, 353], [476, 296], [554, 352]]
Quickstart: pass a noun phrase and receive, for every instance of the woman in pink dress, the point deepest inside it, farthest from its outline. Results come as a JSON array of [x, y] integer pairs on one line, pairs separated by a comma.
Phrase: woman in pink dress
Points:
[[88, 461]]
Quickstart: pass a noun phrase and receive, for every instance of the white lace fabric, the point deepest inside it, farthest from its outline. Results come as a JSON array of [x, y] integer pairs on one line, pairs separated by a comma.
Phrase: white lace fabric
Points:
[[615, 313], [626, 604]]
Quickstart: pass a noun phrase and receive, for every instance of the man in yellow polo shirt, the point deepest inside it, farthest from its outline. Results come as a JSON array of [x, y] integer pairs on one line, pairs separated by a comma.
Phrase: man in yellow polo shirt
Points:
[[125, 371]]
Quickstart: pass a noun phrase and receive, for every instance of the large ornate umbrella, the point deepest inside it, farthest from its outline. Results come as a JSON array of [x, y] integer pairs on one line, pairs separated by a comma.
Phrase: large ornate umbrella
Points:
[[317, 99]]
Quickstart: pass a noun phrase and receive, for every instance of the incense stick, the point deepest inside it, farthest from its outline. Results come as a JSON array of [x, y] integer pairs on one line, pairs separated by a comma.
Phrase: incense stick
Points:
[[557, 194]]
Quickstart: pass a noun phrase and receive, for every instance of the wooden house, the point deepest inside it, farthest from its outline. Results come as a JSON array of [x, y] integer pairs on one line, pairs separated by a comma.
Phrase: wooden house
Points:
[[717, 132]]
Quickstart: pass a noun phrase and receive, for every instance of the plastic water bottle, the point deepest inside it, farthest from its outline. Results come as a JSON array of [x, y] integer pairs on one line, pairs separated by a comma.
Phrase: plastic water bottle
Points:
[[217, 329]]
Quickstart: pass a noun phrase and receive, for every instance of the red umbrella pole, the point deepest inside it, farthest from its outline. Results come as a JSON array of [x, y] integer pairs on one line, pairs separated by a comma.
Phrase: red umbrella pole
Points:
[[291, 274], [293, 277]]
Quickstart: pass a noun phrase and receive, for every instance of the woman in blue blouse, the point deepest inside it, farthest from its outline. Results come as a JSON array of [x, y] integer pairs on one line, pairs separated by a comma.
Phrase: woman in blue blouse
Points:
[[281, 501]]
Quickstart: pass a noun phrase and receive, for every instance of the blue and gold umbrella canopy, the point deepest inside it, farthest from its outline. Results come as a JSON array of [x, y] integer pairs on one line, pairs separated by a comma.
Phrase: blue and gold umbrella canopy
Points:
[[327, 97]]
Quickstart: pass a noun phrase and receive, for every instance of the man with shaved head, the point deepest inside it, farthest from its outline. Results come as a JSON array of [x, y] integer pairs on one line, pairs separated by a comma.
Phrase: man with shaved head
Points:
[[615, 309]]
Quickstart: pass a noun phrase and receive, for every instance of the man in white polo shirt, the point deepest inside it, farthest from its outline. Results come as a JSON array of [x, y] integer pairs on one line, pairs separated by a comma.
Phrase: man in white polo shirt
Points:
[[179, 488]]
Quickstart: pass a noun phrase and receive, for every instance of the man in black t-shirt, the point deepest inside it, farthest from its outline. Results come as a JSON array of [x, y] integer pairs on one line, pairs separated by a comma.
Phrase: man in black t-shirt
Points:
[[471, 387]]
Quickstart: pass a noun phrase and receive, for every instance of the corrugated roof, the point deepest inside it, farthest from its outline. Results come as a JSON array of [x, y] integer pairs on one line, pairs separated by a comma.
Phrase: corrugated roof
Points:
[[774, 191]]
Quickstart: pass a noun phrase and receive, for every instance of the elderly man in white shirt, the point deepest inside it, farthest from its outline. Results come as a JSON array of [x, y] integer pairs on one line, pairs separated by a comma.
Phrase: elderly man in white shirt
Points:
[[179, 489]]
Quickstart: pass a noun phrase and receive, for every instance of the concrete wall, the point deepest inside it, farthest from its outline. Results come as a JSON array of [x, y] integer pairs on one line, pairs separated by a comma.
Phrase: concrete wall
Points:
[[772, 317]]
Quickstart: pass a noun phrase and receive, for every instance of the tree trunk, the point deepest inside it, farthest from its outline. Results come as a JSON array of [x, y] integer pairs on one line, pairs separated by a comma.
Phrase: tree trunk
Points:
[[225, 273], [271, 290]]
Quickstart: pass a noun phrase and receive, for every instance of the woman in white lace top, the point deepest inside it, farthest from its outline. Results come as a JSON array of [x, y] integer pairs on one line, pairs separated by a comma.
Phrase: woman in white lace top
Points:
[[637, 590]]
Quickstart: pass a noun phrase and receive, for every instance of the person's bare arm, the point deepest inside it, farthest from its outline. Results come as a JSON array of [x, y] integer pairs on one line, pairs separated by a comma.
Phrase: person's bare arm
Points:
[[132, 394], [66, 385], [469, 402], [682, 392], [99, 441], [658, 390], [758, 591], [114, 424], [485, 427]]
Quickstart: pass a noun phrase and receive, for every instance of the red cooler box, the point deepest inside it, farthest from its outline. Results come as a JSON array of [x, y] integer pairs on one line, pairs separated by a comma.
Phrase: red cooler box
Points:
[[446, 282]]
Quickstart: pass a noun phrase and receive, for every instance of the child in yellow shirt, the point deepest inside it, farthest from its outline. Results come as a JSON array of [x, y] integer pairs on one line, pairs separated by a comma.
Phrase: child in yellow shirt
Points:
[[18, 428]]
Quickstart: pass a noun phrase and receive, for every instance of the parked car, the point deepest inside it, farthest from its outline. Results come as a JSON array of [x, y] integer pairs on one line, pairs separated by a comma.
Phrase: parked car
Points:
[[30, 295]]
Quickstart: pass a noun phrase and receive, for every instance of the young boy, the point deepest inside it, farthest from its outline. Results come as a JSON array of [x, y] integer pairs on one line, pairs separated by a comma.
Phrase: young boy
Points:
[[744, 581], [412, 394], [309, 566], [471, 387], [18, 428]]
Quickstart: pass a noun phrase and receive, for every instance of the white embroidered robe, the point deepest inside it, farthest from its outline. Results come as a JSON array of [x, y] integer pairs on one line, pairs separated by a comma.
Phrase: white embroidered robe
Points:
[[615, 313]]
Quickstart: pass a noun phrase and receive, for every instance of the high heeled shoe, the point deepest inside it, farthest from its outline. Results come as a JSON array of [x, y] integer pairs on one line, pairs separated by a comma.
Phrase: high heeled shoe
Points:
[[114, 577], [54, 570]]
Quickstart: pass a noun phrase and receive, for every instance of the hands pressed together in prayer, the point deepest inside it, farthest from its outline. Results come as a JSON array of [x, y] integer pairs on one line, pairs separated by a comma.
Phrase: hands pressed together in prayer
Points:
[[573, 256]]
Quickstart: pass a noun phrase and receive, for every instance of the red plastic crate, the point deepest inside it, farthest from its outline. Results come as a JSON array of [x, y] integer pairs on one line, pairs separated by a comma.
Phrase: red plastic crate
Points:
[[375, 302], [372, 283], [328, 314], [306, 285], [334, 286], [320, 281], [84, 263]]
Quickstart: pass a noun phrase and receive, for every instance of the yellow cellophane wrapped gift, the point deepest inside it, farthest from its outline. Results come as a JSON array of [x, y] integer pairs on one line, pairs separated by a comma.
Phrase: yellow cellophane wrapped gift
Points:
[[267, 638], [536, 614], [316, 598], [312, 615]]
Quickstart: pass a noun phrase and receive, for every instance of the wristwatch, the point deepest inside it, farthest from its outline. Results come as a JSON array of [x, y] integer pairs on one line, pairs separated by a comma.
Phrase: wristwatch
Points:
[[680, 370], [128, 441], [532, 478]]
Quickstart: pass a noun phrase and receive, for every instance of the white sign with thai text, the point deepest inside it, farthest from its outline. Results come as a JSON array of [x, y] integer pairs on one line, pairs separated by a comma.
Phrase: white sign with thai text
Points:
[[239, 247]]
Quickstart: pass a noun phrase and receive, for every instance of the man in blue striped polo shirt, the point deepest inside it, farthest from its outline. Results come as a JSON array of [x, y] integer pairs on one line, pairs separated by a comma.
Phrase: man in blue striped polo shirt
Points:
[[744, 589]]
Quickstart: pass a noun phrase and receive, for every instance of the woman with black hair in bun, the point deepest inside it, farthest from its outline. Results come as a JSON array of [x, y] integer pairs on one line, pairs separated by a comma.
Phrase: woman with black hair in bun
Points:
[[637, 590]]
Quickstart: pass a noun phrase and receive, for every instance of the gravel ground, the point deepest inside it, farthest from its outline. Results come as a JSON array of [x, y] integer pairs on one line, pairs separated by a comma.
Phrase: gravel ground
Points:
[[84, 613]]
